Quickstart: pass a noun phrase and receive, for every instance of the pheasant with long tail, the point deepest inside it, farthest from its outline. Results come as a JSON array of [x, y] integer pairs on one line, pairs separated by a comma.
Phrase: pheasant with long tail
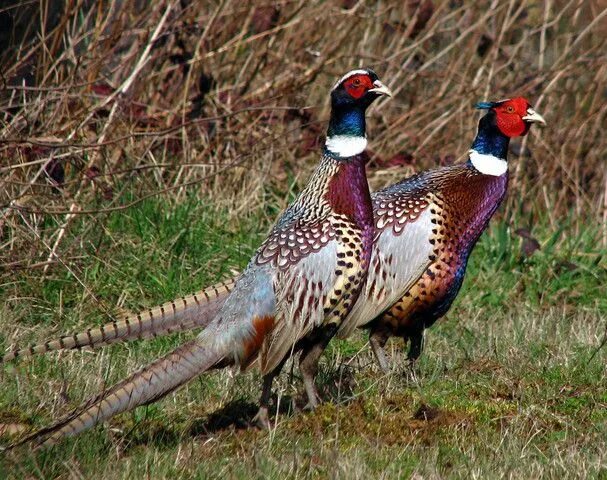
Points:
[[297, 289], [426, 227]]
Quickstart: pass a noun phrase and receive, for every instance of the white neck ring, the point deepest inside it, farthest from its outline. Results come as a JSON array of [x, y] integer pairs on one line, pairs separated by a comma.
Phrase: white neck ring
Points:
[[345, 145], [488, 164]]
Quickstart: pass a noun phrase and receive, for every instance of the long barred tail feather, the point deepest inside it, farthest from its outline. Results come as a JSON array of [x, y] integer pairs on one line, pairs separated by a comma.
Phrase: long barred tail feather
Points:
[[145, 386], [185, 313]]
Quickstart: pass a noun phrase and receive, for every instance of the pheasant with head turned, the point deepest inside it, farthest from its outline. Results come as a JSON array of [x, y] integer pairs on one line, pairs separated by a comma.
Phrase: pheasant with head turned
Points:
[[297, 289]]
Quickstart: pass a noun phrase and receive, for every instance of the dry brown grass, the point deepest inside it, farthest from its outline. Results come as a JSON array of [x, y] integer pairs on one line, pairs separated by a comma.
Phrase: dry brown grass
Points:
[[106, 103]]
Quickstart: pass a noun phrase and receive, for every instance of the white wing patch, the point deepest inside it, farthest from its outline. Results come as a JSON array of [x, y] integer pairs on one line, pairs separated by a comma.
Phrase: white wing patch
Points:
[[397, 263], [252, 297]]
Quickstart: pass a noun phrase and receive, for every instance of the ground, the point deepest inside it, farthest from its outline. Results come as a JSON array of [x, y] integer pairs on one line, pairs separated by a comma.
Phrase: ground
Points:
[[147, 147], [509, 384]]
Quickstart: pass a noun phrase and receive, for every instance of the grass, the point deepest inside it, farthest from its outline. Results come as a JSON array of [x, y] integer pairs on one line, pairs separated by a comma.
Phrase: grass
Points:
[[145, 149], [505, 388]]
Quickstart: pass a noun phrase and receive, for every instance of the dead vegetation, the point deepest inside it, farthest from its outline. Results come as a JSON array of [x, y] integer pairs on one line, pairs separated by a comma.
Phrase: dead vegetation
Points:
[[107, 103]]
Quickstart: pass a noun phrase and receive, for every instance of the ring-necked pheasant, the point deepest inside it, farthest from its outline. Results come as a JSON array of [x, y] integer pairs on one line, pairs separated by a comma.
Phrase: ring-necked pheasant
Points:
[[426, 227], [297, 289], [449, 206]]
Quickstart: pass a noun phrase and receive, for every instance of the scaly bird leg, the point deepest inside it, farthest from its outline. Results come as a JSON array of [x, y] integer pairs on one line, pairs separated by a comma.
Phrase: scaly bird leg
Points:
[[416, 345], [308, 362], [262, 418], [377, 340]]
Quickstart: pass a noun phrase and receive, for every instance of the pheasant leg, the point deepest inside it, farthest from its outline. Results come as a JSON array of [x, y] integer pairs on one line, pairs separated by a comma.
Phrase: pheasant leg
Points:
[[262, 418], [378, 339], [308, 362], [416, 345]]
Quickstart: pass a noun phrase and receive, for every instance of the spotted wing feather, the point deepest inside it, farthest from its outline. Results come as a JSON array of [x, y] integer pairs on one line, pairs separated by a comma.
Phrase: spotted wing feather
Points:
[[401, 254], [301, 295], [303, 260]]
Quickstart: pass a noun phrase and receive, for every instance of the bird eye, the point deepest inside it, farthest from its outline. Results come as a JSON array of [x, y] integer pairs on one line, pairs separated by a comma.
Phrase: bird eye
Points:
[[510, 109], [356, 82]]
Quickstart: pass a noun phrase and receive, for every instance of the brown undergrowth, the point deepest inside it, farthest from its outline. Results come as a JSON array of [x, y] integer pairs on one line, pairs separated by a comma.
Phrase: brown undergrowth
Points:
[[106, 104], [145, 147]]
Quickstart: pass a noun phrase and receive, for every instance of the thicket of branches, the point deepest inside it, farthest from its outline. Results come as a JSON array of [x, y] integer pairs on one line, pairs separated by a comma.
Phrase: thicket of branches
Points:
[[106, 103]]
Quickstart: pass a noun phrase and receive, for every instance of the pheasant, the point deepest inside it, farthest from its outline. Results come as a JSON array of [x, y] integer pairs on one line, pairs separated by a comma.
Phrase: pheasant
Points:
[[426, 227], [410, 288], [297, 289]]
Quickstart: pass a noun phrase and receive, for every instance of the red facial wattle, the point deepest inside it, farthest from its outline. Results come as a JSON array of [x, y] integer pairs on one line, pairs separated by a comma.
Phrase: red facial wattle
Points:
[[358, 85], [509, 117], [511, 125]]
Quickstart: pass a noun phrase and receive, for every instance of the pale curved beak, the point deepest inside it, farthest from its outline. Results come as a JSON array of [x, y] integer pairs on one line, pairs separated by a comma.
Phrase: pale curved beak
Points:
[[534, 117], [380, 89]]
